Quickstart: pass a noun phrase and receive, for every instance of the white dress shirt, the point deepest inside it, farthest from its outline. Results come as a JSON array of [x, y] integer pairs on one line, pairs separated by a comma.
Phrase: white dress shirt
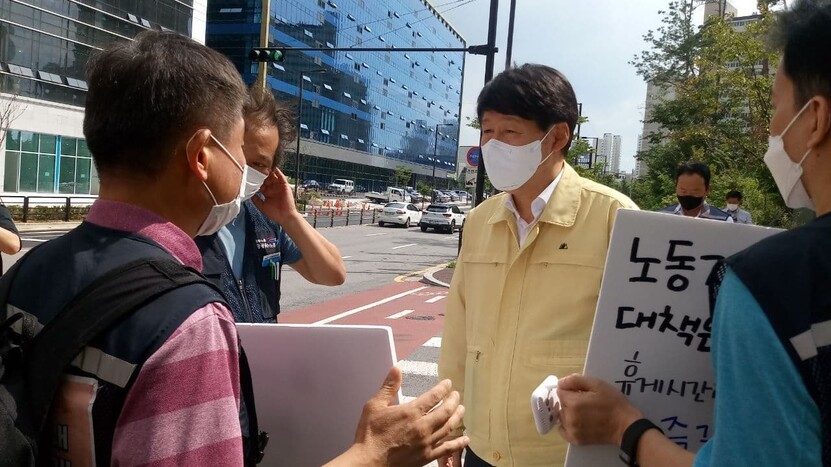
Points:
[[537, 207]]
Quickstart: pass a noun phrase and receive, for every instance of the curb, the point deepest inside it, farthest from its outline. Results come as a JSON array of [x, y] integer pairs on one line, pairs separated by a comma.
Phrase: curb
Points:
[[430, 278]]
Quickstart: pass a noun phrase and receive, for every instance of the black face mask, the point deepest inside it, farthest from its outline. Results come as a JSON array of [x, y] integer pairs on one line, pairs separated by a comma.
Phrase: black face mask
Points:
[[690, 202]]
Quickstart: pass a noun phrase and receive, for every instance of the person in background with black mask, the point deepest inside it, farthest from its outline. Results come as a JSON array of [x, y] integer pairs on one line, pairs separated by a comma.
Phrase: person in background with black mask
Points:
[[692, 185]]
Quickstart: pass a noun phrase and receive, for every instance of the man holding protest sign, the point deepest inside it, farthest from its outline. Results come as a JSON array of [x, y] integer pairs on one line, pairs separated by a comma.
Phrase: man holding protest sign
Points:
[[525, 289], [770, 336]]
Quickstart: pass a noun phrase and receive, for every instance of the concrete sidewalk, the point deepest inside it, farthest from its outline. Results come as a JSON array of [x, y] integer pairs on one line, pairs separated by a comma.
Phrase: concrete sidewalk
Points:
[[439, 276], [36, 226]]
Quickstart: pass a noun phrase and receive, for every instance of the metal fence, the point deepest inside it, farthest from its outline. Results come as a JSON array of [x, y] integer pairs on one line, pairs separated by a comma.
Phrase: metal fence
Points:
[[44, 207]]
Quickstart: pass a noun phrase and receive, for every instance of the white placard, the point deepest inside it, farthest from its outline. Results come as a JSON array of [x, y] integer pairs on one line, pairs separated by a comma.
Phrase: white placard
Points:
[[651, 334], [311, 383]]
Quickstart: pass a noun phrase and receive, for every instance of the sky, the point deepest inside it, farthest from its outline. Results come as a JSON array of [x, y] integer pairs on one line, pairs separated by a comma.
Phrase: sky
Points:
[[590, 41]]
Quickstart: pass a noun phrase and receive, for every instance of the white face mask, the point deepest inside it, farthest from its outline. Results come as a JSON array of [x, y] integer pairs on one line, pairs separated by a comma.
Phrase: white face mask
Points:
[[254, 179], [786, 173], [222, 214], [510, 167], [732, 207]]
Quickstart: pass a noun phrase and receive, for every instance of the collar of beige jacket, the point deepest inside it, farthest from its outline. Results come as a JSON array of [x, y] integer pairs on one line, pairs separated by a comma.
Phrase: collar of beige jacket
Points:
[[561, 208]]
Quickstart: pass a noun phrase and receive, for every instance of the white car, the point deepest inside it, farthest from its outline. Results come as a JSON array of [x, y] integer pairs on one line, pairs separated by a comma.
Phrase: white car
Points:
[[445, 217], [400, 213]]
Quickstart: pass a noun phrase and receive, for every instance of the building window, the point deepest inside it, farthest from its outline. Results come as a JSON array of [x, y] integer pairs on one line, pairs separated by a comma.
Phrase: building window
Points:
[[45, 163]]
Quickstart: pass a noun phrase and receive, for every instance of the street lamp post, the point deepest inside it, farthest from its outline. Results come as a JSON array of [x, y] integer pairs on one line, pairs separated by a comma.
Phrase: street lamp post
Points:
[[297, 148], [436, 151], [299, 129]]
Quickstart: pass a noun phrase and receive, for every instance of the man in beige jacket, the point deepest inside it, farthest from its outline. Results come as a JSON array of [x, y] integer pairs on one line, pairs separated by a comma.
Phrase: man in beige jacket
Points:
[[524, 292]]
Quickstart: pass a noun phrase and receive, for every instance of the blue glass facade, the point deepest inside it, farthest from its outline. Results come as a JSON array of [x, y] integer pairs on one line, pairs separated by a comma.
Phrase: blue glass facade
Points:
[[383, 103]]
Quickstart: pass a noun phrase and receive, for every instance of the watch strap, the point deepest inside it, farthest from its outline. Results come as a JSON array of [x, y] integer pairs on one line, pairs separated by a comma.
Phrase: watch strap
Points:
[[629, 442]]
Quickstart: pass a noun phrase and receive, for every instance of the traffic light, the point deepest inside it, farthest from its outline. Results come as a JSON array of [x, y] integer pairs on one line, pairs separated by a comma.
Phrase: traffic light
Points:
[[267, 54]]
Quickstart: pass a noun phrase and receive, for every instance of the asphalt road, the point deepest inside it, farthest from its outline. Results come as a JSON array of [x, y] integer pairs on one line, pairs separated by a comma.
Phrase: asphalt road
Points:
[[374, 256]]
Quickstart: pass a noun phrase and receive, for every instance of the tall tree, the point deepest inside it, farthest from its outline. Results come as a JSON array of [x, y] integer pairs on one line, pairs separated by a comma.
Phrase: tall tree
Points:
[[11, 108], [716, 80]]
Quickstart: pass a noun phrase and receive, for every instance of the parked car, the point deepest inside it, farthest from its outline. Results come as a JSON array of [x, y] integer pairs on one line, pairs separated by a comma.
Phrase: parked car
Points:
[[400, 213], [342, 186], [415, 196], [440, 197], [310, 185], [463, 195], [452, 195], [445, 217]]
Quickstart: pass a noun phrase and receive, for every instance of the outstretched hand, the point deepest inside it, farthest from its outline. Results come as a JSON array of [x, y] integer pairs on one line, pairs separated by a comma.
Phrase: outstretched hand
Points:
[[411, 434]]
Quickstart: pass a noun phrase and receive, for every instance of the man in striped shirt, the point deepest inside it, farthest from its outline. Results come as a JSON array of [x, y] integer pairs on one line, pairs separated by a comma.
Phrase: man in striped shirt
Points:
[[164, 123]]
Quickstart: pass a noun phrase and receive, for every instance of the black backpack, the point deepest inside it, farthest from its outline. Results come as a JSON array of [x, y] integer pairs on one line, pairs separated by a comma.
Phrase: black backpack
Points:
[[34, 358]]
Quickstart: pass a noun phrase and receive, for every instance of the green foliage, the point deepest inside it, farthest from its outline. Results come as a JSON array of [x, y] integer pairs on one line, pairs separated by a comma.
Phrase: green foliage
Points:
[[48, 213], [716, 83], [424, 189], [474, 123], [401, 176]]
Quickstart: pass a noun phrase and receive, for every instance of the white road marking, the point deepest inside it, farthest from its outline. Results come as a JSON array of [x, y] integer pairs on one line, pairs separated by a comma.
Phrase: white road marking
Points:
[[374, 235], [435, 299], [404, 246], [367, 307], [455, 237], [419, 368], [34, 239], [433, 342], [345, 257], [400, 315]]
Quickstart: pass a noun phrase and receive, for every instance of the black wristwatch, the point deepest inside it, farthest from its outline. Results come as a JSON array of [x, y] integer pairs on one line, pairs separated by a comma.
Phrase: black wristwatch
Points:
[[629, 443]]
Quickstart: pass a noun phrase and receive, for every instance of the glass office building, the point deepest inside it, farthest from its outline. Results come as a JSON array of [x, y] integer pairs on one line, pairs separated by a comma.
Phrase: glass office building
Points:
[[363, 113], [44, 47]]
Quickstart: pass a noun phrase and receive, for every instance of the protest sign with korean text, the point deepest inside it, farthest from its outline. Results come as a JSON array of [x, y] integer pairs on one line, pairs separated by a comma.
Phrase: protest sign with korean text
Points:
[[651, 334]]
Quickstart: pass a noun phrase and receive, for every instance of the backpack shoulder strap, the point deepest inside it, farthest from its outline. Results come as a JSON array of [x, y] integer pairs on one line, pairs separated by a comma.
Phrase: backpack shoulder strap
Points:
[[29, 326], [98, 307]]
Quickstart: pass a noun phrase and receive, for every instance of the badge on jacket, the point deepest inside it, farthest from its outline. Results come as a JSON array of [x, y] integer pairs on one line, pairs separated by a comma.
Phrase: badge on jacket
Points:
[[272, 262]]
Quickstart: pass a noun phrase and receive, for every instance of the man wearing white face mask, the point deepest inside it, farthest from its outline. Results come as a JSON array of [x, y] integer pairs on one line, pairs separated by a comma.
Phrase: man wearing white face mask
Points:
[[772, 315], [734, 208], [245, 258], [523, 296]]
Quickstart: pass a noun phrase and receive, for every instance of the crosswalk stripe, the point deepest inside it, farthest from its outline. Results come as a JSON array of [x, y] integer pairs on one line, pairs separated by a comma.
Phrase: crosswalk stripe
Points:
[[436, 298], [419, 368], [433, 342]]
